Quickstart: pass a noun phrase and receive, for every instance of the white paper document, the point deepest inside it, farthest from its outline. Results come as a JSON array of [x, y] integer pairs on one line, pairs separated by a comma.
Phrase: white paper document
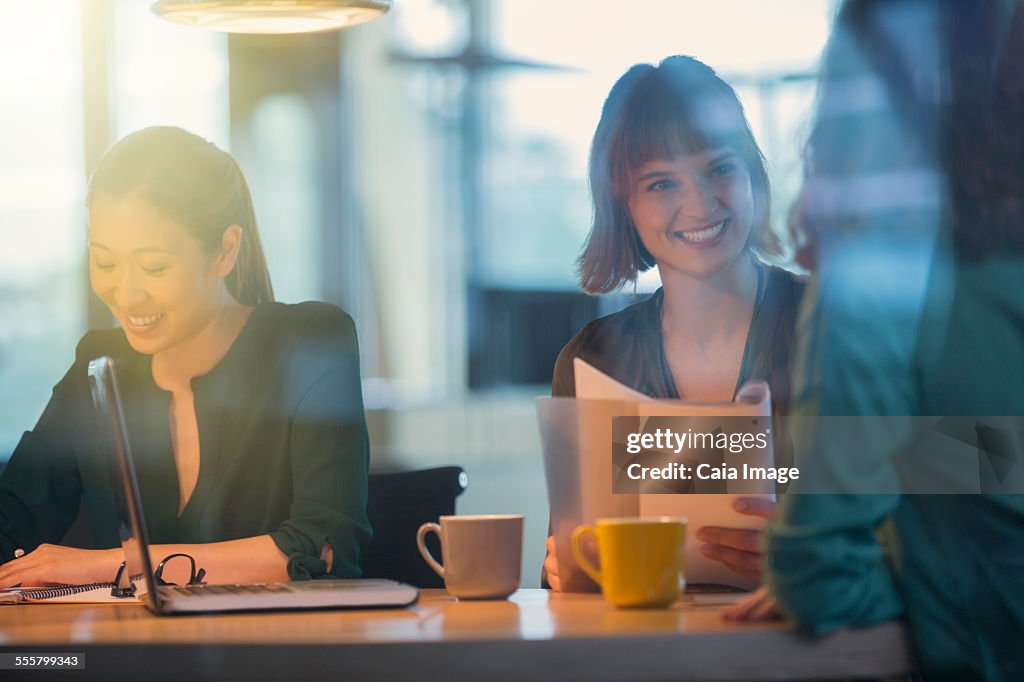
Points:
[[577, 438]]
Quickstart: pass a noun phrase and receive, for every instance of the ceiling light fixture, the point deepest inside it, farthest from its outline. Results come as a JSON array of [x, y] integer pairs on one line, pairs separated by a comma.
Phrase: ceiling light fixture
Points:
[[271, 16]]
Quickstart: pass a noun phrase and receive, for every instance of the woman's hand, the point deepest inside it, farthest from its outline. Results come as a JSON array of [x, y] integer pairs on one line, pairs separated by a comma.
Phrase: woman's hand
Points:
[[738, 549], [59, 565], [551, 565], [758, 605]]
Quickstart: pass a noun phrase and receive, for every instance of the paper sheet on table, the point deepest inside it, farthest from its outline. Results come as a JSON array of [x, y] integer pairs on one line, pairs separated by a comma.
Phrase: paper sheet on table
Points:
[[577, 438]]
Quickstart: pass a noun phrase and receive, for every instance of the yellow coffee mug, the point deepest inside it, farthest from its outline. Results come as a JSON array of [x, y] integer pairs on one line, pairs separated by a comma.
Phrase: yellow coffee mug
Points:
[[642, 559]]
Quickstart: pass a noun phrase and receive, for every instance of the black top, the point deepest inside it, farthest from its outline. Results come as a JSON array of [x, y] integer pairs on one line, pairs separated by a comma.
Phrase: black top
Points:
[[629, 347], [283, 443]]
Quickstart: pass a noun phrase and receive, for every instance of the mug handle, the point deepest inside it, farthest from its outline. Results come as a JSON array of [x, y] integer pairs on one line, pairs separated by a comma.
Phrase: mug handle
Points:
[[577, 552], [421, 536]]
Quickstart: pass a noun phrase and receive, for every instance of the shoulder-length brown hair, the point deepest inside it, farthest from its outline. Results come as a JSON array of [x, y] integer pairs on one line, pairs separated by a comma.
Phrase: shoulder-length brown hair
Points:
[[198, 185], [656, 112]]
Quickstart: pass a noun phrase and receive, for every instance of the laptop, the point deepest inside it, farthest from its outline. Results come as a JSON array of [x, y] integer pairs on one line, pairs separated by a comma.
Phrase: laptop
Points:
[[171, 599]]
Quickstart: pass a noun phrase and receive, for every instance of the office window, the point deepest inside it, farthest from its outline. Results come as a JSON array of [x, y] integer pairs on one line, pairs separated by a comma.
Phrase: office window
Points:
[[282, 173], [155, 74], [166, 74], [41, 189]]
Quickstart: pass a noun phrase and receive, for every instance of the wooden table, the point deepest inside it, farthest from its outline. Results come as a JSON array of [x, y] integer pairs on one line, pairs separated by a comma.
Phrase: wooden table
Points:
[[534, 635]]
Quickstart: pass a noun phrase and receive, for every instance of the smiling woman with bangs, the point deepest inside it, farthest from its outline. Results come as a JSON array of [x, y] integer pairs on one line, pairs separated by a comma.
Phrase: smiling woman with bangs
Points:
[[679, 183]]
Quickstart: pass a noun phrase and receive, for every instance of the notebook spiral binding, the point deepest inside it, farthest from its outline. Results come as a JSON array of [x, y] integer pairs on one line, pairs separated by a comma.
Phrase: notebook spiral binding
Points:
[[41, 593], [63, 591]]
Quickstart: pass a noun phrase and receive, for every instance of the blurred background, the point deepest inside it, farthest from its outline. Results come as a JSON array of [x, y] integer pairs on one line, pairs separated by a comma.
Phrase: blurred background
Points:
[[425, 171]]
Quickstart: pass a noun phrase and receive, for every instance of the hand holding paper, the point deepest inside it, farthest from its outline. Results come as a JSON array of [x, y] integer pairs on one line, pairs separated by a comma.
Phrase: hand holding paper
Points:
[[578, 440]]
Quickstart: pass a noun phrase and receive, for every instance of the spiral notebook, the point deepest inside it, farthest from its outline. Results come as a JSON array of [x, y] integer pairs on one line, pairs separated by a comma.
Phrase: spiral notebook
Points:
[[91, 593]]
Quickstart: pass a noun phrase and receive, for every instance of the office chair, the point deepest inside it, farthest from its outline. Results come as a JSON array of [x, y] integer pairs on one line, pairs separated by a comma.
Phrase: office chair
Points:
[[397, 504]]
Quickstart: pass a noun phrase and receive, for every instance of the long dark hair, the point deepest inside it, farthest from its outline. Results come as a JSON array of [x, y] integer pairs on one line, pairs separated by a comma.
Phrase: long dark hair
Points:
[[962, 115], [986, 151], [678, 107], [198, 185]]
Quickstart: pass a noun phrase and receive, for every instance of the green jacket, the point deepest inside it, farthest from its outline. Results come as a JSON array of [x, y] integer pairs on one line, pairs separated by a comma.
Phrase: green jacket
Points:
[[927, 337]]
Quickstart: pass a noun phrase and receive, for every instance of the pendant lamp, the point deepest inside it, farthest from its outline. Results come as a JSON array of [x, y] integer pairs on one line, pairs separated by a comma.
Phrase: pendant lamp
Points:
[[271, 16]]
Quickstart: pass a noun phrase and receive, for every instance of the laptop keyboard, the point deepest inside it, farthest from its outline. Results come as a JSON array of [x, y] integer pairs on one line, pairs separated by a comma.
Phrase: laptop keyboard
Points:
[[199, 590], [270, 588]]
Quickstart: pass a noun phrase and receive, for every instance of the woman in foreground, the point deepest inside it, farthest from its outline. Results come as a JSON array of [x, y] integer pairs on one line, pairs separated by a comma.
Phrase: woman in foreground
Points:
[[913, 203]]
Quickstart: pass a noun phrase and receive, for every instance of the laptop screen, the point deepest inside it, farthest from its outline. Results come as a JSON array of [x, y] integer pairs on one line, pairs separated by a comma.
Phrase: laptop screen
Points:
[[127, 506]]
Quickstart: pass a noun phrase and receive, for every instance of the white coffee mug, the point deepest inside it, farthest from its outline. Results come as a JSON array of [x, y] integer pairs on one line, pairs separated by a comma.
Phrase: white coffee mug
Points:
[[481, 554]]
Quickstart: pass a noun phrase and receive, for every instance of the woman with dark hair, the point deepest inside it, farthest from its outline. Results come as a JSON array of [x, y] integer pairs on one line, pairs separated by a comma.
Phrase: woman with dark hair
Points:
[[679, 183], [913, 204], [245, 415]]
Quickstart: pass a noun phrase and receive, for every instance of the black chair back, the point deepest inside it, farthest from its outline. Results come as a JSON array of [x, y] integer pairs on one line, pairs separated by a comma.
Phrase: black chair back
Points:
[[398, 503]]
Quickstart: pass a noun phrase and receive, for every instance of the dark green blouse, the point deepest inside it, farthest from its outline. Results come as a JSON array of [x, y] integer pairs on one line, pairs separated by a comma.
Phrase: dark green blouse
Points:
[[283, 443], [629, 346]]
